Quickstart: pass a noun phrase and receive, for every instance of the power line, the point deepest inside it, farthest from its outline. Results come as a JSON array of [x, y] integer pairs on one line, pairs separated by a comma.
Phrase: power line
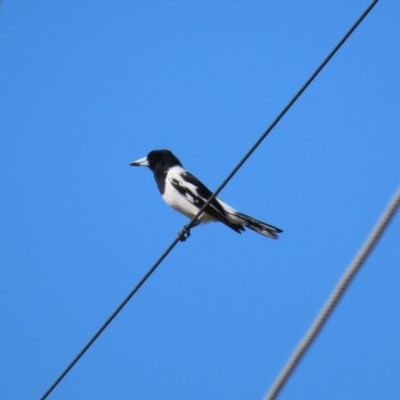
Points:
[[334, 298], [223, 184]]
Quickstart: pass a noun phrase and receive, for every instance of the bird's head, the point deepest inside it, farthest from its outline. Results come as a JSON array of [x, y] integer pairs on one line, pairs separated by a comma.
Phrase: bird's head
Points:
[[158, 160]]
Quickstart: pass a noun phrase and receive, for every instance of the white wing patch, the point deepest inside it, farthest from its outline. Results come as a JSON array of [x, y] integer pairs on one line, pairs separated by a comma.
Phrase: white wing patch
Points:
[[184, 203]]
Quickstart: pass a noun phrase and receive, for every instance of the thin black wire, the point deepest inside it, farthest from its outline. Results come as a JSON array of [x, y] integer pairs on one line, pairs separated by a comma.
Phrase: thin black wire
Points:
[[188, 226], [334, 298]]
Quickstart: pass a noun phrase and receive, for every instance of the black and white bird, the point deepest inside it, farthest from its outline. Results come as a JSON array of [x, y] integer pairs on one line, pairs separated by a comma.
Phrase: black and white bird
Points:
[[186, 194]]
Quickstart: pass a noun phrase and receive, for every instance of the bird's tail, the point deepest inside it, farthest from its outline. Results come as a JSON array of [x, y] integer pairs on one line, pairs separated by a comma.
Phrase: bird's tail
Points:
[[258, 226]]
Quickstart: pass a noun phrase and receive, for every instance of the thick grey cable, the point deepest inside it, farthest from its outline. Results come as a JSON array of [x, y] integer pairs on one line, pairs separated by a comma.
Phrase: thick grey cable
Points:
[[188, 226], [334, 298]]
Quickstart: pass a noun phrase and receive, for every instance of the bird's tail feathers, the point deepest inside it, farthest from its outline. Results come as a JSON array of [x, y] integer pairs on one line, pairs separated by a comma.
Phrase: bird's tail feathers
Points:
[[258, 226]]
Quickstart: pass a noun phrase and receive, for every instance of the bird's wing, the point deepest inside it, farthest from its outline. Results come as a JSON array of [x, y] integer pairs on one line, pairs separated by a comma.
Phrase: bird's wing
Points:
[[197, 194]]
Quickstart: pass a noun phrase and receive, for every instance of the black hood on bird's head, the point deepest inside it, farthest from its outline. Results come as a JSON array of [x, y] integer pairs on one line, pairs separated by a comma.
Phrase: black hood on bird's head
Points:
[[158, 161], [161, 160]]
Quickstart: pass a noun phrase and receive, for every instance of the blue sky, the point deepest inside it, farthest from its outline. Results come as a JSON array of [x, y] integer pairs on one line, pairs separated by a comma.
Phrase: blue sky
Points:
[[86, 88]]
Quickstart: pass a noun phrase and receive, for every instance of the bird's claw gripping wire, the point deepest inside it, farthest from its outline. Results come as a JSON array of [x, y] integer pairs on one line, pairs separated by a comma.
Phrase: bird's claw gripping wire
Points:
[[184, 234]]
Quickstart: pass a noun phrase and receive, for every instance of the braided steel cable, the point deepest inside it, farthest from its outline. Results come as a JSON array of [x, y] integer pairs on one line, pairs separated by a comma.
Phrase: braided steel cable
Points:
[[334, 298]]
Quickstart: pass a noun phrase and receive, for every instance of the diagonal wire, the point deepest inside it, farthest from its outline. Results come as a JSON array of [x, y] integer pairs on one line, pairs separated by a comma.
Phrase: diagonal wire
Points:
[[188, 226], [334, 298]]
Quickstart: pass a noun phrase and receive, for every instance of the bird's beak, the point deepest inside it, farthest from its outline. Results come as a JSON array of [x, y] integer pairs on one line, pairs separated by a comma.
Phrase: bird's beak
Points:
[[142, 162]]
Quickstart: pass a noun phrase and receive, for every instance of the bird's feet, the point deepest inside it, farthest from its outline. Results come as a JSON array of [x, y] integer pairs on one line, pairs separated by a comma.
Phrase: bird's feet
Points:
[[183, 235]]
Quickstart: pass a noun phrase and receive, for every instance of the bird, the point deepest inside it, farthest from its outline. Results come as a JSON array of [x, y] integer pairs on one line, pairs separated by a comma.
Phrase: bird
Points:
[[187, 194]]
